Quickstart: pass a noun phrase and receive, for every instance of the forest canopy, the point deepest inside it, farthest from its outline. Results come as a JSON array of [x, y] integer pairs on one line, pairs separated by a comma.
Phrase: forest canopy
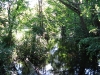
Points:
[[28, 34]]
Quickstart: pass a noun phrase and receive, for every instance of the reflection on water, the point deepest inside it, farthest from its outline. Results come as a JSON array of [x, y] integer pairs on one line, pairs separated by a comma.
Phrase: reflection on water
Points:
[[48, 69]]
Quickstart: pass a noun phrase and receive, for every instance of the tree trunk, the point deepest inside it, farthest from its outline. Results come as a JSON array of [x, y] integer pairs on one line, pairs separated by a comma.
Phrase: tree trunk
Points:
[[81, 71], [83, 27], [41, 17]]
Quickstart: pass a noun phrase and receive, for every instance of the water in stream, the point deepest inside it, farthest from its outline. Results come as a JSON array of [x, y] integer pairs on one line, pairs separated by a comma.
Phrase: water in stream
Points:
[[48, 69]]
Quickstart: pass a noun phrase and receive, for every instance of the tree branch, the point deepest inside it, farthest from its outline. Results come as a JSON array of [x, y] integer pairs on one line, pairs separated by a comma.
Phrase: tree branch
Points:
[[76, 9], [71, 6], [75, 3]]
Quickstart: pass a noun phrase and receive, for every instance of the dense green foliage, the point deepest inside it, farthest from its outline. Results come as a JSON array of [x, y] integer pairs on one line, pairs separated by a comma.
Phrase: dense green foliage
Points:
[[72, 25]]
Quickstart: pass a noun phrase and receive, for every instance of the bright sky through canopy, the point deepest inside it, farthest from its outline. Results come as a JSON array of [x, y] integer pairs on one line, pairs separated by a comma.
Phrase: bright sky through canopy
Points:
[[32, 3]]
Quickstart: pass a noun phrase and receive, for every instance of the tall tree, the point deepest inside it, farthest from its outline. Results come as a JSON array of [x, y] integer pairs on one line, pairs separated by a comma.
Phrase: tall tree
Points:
[[80, 32]]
